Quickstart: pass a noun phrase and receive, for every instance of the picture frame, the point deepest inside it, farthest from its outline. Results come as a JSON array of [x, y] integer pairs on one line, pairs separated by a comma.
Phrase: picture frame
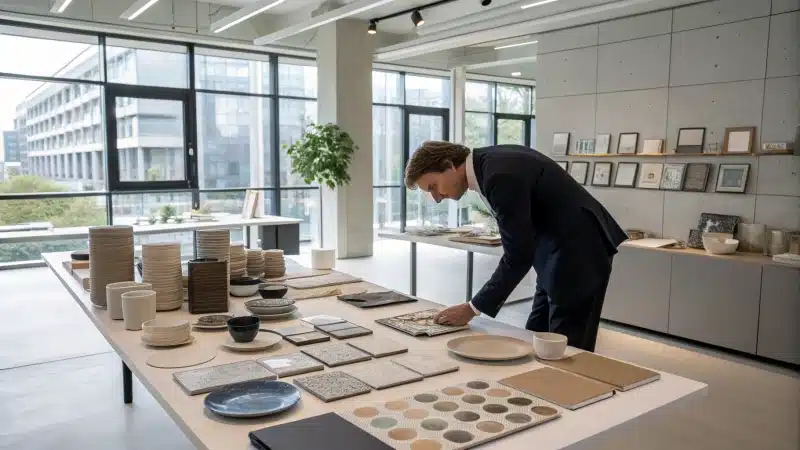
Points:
[[563, 164], [578, 170], [696, 177], [560, 144], [739, 140], [652, 147], [691, 140], [602, 143], [650, 175], [626, 174], [584, 147], [718, 223], [732, 178], [627, 143], [250, 203], [673, 177], [601, 174]]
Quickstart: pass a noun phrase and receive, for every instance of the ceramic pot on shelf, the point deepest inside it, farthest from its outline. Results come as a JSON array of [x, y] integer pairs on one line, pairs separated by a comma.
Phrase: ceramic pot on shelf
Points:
[[752, 237], [114, 293], [323, 258], [777, 242], [138, 307]]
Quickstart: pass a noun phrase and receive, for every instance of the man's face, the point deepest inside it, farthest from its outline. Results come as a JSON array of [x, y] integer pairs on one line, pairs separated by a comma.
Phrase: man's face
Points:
[[450, 184]]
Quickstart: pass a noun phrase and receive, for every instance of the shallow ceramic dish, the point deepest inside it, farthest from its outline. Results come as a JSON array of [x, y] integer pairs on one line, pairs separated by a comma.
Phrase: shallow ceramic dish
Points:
[[253, 399], [246, 290], [261, 342], [213, 322], [272, 290], [485, 347], [280, 316], [270, 306], [175, 344], [719, 245]]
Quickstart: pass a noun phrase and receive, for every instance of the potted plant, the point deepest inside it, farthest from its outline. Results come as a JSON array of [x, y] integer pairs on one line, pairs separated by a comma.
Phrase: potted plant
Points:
[[322, 154], [167, 212], [486, 217]]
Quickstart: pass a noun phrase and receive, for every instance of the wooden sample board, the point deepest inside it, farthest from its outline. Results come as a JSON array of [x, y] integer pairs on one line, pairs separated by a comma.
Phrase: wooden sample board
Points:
[[331, 279], [622, 376]]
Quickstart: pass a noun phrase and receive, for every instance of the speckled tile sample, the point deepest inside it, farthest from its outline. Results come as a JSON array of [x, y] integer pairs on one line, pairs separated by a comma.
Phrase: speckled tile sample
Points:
[[291, 364], [314, 337], [336, 354], [322, 319], [348, 333], [293, 330], [378, 347], [336, 326], [383, 374], [427, 367], [200, 381], [330, 386]]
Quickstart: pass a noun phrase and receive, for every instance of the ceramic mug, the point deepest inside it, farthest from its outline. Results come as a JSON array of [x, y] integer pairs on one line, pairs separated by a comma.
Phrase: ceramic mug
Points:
[[138, 307], [549, 345], [323, 258], [114, 293]]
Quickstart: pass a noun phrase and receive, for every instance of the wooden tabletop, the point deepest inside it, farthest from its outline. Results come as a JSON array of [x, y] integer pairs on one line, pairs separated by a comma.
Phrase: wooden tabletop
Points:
[[208, 431]]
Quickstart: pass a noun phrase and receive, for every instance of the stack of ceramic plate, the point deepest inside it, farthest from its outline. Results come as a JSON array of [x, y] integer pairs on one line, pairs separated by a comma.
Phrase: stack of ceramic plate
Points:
[[161, 267], [271, 308], [255, 263], [238, 260], [214, 244], [110, 259], [208, 286], [274, 264], [166, 332]]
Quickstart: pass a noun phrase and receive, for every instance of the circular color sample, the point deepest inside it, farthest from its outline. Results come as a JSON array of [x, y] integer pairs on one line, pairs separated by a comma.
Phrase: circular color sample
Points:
[[445, 406], [426, 444], [490, 427], [518, 418], [433, 424], [184, 357], [498, 393], [397, 405], [426, 398], [477, 385], [402, 434], [384, 422], [458, 436], [415, 414], [495, 409], [520, 401], [473, 399], [453, 391], [544, 410], [466, 416], [366, 412]]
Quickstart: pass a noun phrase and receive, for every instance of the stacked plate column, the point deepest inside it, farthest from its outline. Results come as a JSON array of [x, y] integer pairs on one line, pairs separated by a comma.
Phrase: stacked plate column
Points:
[[255, 263], [208, 286], [161, 267], [274, 264], [110, 259], [214, 244], [238, 261]]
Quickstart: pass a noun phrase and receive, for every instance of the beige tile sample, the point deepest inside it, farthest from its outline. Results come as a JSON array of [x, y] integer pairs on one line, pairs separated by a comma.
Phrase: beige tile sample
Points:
[[383, 374], [378, 347]]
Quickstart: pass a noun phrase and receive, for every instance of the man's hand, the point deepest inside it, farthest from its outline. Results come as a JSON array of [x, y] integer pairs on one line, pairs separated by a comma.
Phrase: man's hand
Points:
[[456, 316]]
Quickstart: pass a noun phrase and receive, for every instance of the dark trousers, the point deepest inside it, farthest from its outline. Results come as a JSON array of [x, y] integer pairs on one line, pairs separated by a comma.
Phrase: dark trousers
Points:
[[577, 319]]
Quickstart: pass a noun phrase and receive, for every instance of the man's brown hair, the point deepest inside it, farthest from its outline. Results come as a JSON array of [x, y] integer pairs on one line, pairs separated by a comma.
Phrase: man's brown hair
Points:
[[434, 156]]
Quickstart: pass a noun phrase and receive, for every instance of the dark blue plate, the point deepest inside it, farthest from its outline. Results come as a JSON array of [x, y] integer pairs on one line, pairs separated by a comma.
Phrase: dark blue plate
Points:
[[253, 399]]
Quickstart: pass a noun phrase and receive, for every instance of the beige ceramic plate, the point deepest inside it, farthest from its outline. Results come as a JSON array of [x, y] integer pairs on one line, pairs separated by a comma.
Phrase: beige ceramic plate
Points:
[[261, 342], [152, 344], [486, 347]]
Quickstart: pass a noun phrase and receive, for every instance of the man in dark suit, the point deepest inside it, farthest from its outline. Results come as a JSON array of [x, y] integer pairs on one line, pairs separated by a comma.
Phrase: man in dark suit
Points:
[[547, 221]]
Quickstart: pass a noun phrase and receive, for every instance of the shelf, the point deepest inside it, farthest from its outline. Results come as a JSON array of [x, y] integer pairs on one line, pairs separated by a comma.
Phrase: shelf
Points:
[[680, 155]]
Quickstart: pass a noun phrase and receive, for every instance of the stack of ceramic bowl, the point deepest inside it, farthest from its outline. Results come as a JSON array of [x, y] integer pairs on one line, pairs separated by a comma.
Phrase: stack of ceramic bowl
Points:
[[110, 259], [161, 267], [214, 244], [166, 332], [271, 308], [238, 260], [255, 262], [274, 264]]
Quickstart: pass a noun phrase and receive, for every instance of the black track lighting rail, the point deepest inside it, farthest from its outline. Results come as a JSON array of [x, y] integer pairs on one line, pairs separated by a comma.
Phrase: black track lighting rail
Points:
[[410, 10]]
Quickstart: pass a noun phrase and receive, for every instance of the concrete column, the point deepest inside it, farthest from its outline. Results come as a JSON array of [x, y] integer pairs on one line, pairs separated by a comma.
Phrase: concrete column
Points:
[[142, 174], [97, 166], [344, 61], [458, 83], [75, 166], [85, 165]]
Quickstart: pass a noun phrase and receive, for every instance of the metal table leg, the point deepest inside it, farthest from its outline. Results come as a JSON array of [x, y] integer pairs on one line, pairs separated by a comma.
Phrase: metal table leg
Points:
[[470, 262], [127, 384], [413, 268]]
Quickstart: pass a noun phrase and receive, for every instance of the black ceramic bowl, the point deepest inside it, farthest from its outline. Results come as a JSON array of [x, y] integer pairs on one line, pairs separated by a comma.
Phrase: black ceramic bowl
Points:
[[272, 290], [80, 255], [244, 329], [245, 281]]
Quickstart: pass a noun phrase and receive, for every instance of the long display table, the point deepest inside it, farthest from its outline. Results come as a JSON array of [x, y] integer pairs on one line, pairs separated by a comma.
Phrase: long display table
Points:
[[208, 431]]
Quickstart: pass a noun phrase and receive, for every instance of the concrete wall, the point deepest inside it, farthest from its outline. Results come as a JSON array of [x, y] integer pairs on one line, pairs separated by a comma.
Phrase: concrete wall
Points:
[[716, 64]]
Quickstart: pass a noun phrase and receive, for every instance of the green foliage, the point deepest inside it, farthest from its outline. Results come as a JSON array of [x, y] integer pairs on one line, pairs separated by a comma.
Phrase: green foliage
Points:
[[481, 209], [167, 212], [322, 154]]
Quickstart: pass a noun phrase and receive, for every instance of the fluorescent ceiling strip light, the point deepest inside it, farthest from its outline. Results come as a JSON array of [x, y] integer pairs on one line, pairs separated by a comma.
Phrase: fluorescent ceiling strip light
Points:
[[59, 6], [137, 9], [516, 45], [543, 2], [516, 74], [244, 14]]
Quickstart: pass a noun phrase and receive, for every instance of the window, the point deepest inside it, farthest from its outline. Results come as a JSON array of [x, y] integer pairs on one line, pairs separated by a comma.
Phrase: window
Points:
[[387, 145], [513, 99], [427, 91], [218, 70], [295, 116], [156, 64], [297, 78], [387, 87]]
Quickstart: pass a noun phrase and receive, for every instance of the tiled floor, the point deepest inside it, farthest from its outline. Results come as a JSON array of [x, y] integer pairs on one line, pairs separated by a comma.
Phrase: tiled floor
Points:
[[60, 383]]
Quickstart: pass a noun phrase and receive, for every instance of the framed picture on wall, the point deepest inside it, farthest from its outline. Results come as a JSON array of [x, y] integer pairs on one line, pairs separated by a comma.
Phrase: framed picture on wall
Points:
[[691, 140], [652, 146], [560, 144], [584, 147], [626, 174], [696, 177], [602, 174], [738, 140], [578, 170], [627, 143], [602, 142], [650, 176], [673, 176], [563, 164], [732, 178]]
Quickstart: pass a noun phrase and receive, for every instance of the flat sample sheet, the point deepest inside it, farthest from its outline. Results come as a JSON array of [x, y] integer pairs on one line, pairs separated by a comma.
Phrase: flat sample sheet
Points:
[[562, 388], [375, 299], [419, 323], [207, 379], [622, 376], [330, 279], [328, 431]]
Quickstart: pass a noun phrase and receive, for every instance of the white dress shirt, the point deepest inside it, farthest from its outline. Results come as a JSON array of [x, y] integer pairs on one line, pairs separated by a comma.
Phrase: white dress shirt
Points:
[[472, 184]]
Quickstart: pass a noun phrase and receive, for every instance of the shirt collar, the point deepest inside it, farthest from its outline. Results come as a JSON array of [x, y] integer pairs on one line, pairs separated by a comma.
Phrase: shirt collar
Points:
[[472, 180]]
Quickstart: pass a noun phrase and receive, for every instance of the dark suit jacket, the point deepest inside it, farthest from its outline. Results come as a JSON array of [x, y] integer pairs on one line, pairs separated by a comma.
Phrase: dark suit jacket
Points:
[[547, 220]]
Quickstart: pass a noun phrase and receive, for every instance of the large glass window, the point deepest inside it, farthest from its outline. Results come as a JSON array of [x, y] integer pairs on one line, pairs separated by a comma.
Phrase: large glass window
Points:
[[387, 145], [387, 87], [27, 51], [297, 78], [427, 91], [295, 116], [146, 63], [218, 70]]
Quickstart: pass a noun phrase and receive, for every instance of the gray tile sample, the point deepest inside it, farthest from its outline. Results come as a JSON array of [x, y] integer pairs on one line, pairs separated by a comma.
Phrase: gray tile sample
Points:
[[200, 381], [336, 354], [336, 326], [350, 333], [330, 386], [322, 319], [378, 347], [291, 364], [426, 366], [293, 330], [383, 374], [314, 337]]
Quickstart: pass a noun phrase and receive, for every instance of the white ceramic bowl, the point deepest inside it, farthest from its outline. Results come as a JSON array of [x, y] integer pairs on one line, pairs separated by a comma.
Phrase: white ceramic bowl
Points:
[[719, 245], [138, 307], [549, 345], [244, 290]]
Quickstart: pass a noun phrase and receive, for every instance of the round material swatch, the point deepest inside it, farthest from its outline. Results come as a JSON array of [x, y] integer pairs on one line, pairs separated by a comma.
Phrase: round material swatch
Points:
[[498, 393], [366, 412], [402, 434], [453, 391], [485, 347], [519, 401], [396, 405], [544, 410], [490, 427], [426, 444], [184, 357], [415, 414], [261, 342]]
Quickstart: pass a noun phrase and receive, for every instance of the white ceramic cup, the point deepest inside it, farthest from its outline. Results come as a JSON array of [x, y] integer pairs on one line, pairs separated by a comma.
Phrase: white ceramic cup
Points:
[[114, 293], [549, 345], [138, 307], [323, 258]]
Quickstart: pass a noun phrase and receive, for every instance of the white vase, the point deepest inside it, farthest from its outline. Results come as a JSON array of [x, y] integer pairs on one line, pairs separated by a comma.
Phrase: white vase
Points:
[[138, 307], [323, 258], [114, 293]]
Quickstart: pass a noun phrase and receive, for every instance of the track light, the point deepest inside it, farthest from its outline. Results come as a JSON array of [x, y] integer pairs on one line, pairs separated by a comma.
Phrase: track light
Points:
[[373, 27], [416, 17], [486, 2]]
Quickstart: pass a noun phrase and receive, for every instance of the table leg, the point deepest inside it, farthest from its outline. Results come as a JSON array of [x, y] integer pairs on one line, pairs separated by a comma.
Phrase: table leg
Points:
[[247, 237], [413, 268], [127, 384], [470, 261]]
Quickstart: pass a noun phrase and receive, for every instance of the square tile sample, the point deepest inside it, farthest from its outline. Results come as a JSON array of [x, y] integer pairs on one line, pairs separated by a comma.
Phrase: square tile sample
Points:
[[322, 319], [336, 326], [427, 367], [293, 330], [336, 354], [383, 374], [378, 347], [330, 386], [200, 381], [350, 333], [291, 364], [314, 337]]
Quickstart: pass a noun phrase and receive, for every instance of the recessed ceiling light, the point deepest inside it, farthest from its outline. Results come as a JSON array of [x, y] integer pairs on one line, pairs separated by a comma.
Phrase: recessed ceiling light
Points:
[[543, 2], [520, 44], [516, 74], [244, 14], [137, 9]]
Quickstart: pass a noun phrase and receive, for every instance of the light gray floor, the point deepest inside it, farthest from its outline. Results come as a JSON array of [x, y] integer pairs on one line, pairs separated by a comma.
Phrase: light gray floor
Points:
[[60, 383]]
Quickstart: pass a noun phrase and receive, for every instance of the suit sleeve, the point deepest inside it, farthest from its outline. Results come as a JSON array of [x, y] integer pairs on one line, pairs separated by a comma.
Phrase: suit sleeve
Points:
[[513, 212]]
